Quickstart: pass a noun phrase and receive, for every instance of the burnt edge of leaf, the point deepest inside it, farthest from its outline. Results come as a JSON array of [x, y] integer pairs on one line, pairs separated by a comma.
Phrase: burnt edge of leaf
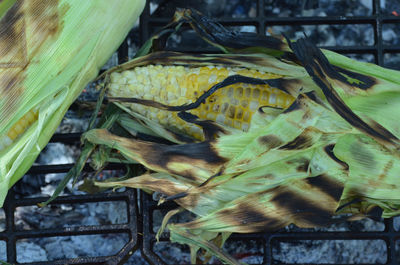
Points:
[[212, 177], [317, 66], [349, 203], [314, 97], [210, 128], [216, 33], [286, 85], [297, 104], [365, 82], [329, 151]]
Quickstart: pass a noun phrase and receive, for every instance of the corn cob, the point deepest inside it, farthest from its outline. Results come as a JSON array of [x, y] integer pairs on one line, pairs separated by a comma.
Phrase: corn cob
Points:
[[331, 147], [47, 57], [232, 106]]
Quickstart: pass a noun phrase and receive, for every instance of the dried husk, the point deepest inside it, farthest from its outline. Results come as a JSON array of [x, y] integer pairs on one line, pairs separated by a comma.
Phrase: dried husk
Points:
[[335, 150]]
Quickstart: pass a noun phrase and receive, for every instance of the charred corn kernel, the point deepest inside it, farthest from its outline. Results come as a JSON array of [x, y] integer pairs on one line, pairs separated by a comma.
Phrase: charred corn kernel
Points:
[[18, 128], [176, 85]]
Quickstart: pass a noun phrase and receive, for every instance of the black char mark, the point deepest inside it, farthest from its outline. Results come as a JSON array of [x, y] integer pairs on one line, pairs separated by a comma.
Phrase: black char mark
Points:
[[159, 154], [245, 214], [302, 141], [327, 185], [162, 155], [318, 66], [375, 213], [301, 162], [210, 128], [302, 208], [293, 107], [270, 141], [361, 81], [349, 204], [202, 151], [289, 86], [329, 151], [181, 137], [314, 97], [303, 167], [216, 33], [9, 31], [364, 82], [297, 104], [177, 58]]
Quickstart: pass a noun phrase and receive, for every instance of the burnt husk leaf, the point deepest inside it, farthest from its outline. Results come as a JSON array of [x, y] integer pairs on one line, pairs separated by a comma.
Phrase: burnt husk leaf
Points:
[[324, 155]]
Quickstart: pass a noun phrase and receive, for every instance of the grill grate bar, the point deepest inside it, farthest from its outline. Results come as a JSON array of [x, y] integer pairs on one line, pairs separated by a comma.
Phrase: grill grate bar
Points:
[[64, 168], [11, 234], [66, 138], [228, 21], [340, 49], [378, 32], [86, 198], [70, 231]]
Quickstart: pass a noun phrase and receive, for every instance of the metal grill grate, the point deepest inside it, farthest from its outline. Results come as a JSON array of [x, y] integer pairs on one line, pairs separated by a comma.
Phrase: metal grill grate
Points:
[[140, 224]]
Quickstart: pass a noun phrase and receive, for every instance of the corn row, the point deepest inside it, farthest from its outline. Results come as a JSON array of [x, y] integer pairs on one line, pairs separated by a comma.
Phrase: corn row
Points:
[[233, 105], [18, 128]]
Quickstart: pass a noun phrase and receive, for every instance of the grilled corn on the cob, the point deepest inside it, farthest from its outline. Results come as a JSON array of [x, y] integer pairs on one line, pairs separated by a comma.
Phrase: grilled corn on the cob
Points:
[[327, 143], [232, 106]]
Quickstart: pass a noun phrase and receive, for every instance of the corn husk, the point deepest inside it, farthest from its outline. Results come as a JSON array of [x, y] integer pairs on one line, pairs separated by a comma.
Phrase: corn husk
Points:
[[50, 50], [335, 150]]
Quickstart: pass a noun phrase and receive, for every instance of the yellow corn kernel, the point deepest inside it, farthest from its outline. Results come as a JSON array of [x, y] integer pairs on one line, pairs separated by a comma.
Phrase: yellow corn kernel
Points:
[[18, 128], [233, 105]]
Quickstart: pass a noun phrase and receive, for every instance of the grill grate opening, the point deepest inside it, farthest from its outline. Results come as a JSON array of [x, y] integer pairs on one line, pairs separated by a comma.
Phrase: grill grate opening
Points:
[[248, 250], [69, 247], [322, 251], [172, 253], [373, 28], [70, 215], [392, 60]]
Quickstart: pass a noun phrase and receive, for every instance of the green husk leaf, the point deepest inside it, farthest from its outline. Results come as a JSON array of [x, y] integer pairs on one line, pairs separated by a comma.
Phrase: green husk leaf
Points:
[[184, 236], [111, 115], [49, 59]]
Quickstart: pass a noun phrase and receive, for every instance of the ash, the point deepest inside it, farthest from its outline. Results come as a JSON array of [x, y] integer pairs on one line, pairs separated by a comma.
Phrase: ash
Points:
[[249, 251]]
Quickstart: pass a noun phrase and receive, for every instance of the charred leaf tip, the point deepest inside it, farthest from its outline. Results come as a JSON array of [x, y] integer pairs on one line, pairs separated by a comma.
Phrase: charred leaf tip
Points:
[[173, 197]]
